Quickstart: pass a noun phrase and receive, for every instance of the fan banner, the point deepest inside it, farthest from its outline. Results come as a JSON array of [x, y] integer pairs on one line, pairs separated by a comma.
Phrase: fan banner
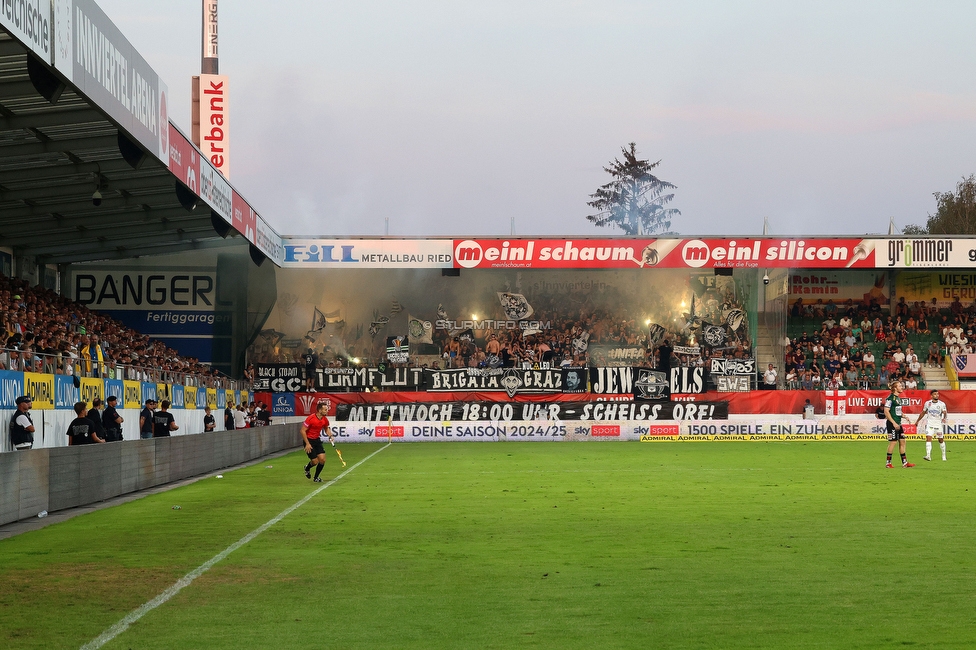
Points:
[[398, 349], [651, 385], [688, 380], [327, 379], [612, 381], [610, 355], [510, 380], [553, 411], [575, 380], [279, 377], [732, 383], [733, 366]]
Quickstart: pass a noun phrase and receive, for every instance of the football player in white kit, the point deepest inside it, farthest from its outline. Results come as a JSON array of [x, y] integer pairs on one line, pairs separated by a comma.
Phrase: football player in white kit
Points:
[[935, 413]]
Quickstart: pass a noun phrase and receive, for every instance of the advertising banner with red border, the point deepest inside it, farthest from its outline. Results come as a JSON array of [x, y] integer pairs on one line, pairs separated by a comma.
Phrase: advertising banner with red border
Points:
[[728, 252]]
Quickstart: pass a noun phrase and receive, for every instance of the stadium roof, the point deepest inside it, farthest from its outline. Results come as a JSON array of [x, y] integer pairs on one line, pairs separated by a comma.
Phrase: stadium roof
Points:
[[63, 137]]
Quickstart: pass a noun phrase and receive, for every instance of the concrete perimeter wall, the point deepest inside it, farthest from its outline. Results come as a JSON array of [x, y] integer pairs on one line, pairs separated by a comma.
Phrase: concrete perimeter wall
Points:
[[53, 479]]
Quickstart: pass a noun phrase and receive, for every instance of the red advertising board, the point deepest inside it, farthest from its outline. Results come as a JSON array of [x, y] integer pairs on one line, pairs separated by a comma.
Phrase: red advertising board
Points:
[[184, 159], [605, 430], [185, 162], [663, 430], [243, 217], [729, 252]]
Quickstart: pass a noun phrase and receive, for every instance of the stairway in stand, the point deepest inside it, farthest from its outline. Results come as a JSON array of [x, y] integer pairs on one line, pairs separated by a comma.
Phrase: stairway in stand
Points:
[[766, 353], [935, 378]]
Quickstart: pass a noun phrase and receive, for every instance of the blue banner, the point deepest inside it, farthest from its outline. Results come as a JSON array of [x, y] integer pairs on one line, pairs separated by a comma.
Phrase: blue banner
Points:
[[221, 398], [65, 392], [177, 401], [116, 388], [283, 404], [11, 387], [148, 391]]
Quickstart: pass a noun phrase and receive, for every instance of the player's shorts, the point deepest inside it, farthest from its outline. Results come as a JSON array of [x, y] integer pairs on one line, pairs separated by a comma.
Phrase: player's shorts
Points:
[[317, 448], [934, 431], [894, 435]]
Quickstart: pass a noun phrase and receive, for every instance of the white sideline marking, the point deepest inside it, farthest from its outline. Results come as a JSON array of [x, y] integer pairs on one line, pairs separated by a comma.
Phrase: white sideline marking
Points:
[[185, 581]]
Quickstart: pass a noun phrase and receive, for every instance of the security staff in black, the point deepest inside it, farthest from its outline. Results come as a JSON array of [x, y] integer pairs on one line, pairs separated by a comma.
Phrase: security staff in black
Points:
[[21, 425], [95, 415], [111, 420], [81, 430], [163, 421]]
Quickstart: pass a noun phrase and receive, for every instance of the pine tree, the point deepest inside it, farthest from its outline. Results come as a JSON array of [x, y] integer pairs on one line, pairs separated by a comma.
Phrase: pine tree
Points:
[[635, 199]]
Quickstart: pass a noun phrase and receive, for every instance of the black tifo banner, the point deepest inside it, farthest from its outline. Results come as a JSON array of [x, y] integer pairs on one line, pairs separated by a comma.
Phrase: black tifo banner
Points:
[[510, 380], [279, 377], [507, 411], [647, 383], [602, 381]]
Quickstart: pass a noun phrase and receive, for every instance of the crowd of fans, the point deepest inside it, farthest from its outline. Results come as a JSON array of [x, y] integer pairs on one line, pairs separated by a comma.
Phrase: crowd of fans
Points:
[[860, 346], [575, 335], [41, 331]]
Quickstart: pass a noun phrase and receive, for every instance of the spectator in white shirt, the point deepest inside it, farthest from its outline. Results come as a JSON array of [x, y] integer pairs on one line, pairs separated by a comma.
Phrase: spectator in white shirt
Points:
[[915, 367], [869, 360]]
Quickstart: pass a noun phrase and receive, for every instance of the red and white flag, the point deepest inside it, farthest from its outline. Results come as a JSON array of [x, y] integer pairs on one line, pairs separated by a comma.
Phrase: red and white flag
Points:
[[836, 402]]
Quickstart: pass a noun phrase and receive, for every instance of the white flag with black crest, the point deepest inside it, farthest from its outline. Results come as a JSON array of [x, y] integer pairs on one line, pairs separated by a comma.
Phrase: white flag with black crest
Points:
[[733, 318], [515, 305], [713, 335], [419, 330], [656, 333]]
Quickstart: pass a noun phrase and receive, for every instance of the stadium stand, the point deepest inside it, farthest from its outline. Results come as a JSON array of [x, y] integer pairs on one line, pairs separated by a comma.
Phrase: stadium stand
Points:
[[41, 331], [600, 321], [828, 343]]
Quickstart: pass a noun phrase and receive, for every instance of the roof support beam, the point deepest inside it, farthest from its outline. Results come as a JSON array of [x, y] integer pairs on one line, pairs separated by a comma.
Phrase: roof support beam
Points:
[[40, 120], [91, 143], [158, 248], [143, 243], [83, 205], [55, 189], [61, 170], [82, 232]]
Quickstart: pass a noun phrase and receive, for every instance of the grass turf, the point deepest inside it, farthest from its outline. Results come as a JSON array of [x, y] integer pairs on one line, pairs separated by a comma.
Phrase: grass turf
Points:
[[489, 545]]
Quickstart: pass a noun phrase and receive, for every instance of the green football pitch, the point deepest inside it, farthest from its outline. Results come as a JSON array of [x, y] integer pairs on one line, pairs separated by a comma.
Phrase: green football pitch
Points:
[[512, 545]]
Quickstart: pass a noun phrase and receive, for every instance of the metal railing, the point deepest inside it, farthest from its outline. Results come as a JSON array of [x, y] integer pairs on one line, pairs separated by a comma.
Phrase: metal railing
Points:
[[65, 364]]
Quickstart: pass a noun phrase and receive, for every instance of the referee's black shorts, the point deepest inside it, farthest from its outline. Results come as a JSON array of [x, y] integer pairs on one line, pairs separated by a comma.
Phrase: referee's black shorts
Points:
[[317, 448]]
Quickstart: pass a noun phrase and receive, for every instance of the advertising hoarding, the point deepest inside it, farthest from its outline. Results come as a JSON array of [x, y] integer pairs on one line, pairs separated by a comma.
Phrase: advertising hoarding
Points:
[[730, 252], [173, 305], [367, 253], [30, 22], [211, 123], [95, 56]]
